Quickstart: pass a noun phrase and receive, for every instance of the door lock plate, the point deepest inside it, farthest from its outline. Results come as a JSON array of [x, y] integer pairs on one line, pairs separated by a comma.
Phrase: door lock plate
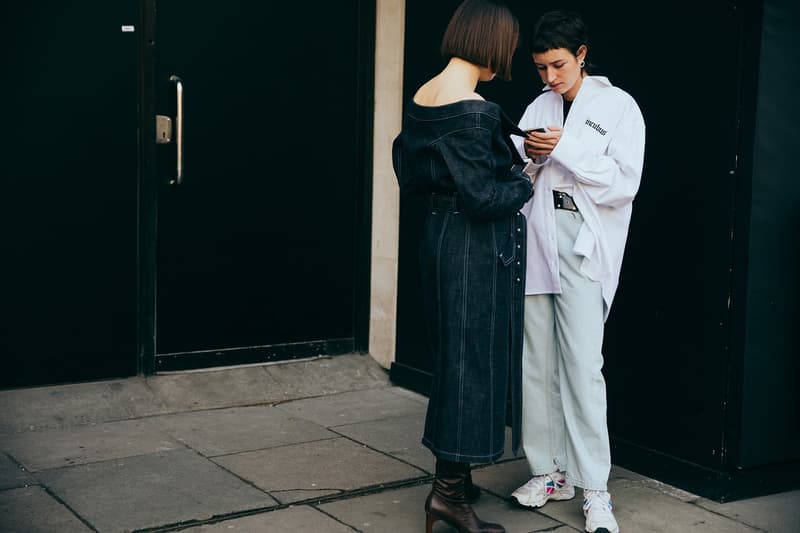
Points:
[[163, 129]]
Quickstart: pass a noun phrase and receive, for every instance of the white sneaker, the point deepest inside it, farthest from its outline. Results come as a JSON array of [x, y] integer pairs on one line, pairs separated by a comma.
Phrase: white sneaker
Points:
[[598, 512], [541, 489]]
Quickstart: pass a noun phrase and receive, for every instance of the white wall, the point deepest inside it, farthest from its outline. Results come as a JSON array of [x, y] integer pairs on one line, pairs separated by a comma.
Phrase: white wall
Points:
[[389, 37]]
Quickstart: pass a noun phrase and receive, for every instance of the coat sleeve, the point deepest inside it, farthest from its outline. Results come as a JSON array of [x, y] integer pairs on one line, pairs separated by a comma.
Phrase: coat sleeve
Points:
[[397, 163], [611, 179], [486, 191], [524, 124]]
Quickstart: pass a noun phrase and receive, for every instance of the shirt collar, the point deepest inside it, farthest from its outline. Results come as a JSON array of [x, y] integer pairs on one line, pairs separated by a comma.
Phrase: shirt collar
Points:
[[597, 81]]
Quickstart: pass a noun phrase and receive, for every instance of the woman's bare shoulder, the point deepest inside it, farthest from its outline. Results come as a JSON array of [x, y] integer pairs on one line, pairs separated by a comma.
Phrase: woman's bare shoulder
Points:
[[434, 93]]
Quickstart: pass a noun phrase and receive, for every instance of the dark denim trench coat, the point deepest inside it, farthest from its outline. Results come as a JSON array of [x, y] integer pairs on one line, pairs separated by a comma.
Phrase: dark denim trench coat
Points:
[[472, 257]]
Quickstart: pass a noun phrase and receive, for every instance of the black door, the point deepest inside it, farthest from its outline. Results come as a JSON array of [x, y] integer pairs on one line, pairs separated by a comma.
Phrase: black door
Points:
[[68, 175], [258, 248]]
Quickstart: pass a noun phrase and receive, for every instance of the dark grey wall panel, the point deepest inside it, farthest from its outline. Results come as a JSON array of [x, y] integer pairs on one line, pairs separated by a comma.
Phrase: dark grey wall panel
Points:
[[771, 388]]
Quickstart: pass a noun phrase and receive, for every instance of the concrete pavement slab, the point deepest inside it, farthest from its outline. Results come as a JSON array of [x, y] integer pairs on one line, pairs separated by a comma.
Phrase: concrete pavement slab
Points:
[[643, 509], [104, 401], [402, 511], [32, 510], [776, 513], [55, 448], [398, 437], [352, 407], [398, 511], [331, 375], [12, 475], [269, 383], [315, 469], [117, 484], [617, 472], [638, 506], [292, 519], [502, 478], [650, 510], [75, 404], [213, 389], [151, 490], [508, 453], [411, 395], [239, 429]]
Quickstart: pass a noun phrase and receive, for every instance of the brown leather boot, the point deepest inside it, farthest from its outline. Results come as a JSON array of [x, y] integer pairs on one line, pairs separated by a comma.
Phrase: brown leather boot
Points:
[[448, 501], [472, 491]]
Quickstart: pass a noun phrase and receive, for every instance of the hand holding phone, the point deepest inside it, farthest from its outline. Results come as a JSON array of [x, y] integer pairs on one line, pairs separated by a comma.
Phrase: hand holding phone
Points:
[[536, 145]]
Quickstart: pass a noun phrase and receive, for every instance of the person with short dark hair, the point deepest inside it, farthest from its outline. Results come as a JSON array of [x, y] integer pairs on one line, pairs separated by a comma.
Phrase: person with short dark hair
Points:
[[589, 152], [455, 151]]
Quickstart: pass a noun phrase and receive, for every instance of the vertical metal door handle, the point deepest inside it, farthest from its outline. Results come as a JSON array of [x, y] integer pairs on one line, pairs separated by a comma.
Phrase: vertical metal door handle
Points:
[[178, 129]]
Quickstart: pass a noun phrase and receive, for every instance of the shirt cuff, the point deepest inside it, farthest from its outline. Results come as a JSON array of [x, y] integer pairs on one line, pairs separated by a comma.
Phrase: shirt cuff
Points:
[[567, 150]]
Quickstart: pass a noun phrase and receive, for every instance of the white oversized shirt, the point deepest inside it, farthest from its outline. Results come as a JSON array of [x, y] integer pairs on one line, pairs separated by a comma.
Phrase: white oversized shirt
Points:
[[598, 161]]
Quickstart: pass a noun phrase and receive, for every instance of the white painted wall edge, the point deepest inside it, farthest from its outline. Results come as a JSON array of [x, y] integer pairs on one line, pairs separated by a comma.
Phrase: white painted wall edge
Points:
[[389, 46]]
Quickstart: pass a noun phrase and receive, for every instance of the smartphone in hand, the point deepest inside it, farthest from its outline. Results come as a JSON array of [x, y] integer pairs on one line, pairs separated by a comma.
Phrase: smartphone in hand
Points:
[[536, 130]]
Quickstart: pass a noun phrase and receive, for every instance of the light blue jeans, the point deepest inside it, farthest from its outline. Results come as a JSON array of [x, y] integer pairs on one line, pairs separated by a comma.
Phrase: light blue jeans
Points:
[[563, 391]]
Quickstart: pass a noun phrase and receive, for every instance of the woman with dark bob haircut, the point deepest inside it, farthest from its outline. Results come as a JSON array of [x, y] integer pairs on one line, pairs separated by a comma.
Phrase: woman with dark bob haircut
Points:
[[455, 151]]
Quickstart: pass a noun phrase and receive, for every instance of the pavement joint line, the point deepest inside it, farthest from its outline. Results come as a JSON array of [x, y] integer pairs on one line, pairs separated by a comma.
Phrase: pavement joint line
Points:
[[77, 515], [738, 521], [153, 392], [187, 447], [13, 460], [266, 403], [422, 401], [694, 500], [554, 528], [323, 511], [328, 395], [388, 454], [277, 446], [312, 502], [33, 473], [381, 452], [236, 367]]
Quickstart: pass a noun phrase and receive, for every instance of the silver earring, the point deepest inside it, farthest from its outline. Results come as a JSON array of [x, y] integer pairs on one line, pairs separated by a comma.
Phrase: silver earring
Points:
[[582, 64]]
